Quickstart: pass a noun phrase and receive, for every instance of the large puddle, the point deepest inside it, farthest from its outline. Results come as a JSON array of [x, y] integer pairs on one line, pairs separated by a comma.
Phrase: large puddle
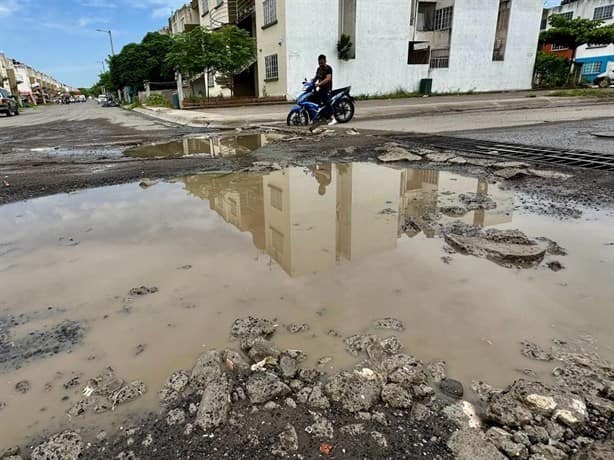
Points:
[[325, 246]]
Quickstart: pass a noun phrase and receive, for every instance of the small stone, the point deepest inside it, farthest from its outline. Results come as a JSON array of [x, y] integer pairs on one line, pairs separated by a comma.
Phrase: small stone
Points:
[[297, 328], [389, 323], [148, 441], [64, 446], [396, 396], [142, 291], [436, 371], [252, 327], [288, 441], [321, 428], [192, 408], [470, 444], [534, 351], [265, 386], [324, 360], [290, 403], [23, 386], [391, 345], [354, 429], [175, 417], [271, 406], [288, 366], [188, 429], [545, 404], [317, 398], [452, 387], [380, 439], [549, 452]]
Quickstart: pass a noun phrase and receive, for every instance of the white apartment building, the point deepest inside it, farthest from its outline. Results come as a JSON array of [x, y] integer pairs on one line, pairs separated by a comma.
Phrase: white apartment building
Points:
[[462, 45], [593, 57], [182, 18]]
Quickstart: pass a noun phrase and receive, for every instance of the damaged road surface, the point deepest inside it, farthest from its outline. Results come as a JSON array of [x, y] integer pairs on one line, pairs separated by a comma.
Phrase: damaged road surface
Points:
[[289, 296]]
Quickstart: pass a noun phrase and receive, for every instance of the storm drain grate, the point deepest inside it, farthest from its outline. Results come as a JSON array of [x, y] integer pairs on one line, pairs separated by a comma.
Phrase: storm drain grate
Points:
[[521, 152]]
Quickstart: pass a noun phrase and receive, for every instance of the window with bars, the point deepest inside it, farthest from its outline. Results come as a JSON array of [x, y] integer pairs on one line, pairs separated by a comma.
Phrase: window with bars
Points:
[[270, 12], [567, 15], [440, 59], [210, 78], [591, 67], [271, 67], [418, 53], [205, 8], [558, 47], [603, 12], [443, 18], [219, 3]]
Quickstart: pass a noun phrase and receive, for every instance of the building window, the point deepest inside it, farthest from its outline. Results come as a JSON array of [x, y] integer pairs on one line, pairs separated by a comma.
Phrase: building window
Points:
[[211, 78], [567, 15], [276, 198], [271, 67], [418, 53], [591, 67], [347, 23], [603, 12], [219, 2], [440, 59], [558, 47], [270, 12], [503, 20], [426, 16], [205, 9], [443, 18]]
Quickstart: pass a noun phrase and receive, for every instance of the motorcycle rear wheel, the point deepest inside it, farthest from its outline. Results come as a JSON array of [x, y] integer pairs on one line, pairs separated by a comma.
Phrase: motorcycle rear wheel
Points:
[[344, 110], [298, 118]]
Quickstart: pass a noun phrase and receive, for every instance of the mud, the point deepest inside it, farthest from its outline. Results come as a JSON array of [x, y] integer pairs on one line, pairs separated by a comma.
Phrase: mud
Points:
[[365, 411]]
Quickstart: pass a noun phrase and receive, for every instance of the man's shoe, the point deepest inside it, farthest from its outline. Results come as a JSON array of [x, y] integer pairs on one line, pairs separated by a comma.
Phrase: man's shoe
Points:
[[333, 122]]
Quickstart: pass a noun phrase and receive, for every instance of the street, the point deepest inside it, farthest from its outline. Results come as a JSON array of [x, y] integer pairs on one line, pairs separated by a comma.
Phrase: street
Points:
[[148, 261]]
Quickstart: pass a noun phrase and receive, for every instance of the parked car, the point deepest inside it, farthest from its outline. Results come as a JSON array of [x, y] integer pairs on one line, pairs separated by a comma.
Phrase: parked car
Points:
[[8, 103], [102, 99], [606, 78]]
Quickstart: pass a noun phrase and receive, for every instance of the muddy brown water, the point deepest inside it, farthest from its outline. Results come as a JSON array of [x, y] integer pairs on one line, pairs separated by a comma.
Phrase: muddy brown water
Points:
[[321, 246], [208, 146]]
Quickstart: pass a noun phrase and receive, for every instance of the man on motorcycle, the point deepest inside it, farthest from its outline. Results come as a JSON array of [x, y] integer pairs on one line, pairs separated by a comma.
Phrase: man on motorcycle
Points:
[[324, 84]]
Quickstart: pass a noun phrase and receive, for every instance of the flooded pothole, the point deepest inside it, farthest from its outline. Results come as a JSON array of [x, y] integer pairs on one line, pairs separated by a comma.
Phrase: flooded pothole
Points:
[[217, 146], [144, 279]]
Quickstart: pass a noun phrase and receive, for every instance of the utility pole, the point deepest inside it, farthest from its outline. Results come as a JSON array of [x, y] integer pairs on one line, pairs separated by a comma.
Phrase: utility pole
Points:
[[110, 39], [104, 69]]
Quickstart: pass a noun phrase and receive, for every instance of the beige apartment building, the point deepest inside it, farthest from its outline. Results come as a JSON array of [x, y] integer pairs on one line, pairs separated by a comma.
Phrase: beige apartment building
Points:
[[28, 83]]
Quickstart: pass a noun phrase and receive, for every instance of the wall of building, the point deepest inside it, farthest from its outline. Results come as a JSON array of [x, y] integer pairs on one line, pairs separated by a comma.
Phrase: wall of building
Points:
[[271, 40], [471, 50], [383, 33], [581, 8]]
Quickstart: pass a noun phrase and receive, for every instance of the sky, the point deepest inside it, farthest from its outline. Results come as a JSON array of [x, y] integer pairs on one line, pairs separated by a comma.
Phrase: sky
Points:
[[59, 37]]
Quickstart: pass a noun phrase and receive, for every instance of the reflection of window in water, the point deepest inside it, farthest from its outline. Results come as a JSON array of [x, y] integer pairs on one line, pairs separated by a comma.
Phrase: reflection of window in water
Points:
[[233, 207], [276, 197], [277, 242]]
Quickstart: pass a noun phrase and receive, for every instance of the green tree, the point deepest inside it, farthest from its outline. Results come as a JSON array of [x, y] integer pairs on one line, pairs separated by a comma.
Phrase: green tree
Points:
[[552, 71], [572, 33], [228, 50], [142, 61]]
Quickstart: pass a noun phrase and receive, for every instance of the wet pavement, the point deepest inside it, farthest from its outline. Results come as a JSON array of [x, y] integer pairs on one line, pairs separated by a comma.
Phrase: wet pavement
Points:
[[327, 246]]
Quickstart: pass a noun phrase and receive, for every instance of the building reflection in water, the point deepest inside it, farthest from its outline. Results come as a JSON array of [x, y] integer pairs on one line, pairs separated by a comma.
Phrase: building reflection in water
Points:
[[311, 219], [213, 146]]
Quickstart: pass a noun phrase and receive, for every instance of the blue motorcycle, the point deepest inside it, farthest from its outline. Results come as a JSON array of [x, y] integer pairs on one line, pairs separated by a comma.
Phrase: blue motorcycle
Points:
[[308, 108]]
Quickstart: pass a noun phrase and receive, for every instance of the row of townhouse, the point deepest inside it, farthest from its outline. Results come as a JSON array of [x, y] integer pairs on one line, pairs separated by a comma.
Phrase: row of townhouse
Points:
[[462, 45], [31, 85], [593, 57]]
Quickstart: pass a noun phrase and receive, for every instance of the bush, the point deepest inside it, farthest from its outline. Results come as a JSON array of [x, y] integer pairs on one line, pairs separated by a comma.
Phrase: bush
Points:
[[551, 71], [344, 48], [157, 100]]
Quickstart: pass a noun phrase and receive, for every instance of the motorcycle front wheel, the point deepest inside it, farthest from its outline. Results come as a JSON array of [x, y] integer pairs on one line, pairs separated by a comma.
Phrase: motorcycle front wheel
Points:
[[298, 118], [344, 110]]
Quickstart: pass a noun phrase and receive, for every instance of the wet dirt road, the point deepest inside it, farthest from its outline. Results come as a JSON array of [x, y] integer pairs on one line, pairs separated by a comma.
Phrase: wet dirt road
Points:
[[321, 246], [145, 275]]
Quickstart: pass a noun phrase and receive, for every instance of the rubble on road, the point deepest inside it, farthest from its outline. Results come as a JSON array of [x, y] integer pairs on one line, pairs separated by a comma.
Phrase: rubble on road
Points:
[[386, 406]]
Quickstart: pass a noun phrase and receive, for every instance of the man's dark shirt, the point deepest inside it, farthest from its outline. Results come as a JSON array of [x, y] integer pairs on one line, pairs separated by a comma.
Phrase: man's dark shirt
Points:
[[321, 74]]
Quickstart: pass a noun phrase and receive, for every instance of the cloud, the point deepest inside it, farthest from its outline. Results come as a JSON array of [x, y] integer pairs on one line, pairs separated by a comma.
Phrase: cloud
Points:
[[8, 7], [158, 8], [98, 4]]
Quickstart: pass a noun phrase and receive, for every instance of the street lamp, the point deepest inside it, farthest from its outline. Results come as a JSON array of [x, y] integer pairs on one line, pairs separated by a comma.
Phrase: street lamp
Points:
[[110, 39]]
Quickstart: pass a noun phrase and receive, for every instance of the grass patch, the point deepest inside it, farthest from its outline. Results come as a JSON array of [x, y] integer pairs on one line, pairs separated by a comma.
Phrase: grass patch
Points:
[[583, 92], [398, 94]]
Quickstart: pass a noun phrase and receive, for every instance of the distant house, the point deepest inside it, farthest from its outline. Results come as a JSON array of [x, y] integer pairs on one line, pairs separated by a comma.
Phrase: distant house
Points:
[[594, 57]]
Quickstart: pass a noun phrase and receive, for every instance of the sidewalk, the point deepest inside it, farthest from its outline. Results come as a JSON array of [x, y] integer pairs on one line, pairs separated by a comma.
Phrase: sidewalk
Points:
[[374, 109]]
